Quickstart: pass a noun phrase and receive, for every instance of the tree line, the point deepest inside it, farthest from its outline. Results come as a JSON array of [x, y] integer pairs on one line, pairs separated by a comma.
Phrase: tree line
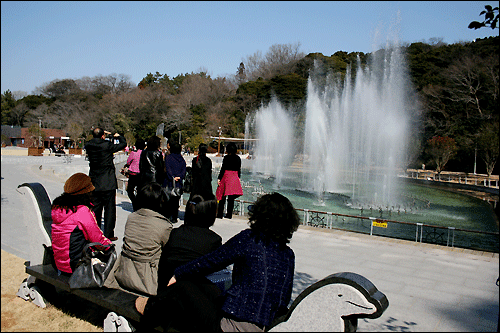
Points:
[[456, 84]]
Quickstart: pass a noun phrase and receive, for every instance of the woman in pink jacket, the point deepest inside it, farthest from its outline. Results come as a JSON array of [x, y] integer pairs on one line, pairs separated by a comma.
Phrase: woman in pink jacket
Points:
[[134, 177], [73, 223]]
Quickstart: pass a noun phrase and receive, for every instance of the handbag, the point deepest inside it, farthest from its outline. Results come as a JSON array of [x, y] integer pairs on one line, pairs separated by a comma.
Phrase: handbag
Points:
[[176, 192], [94, 267], [188, 181], [124, 171]]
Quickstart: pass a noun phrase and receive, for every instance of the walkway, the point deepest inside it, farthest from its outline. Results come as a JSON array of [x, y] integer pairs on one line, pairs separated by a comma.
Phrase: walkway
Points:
[[430, 288]]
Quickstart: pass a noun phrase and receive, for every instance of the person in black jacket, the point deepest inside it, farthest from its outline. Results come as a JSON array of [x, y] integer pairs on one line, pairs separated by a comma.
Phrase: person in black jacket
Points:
[[190, 241], [151, 164], [202, 173], [103, 175]]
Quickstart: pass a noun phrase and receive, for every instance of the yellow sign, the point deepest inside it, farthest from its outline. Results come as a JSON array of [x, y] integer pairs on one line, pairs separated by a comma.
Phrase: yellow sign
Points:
[[378, 223]]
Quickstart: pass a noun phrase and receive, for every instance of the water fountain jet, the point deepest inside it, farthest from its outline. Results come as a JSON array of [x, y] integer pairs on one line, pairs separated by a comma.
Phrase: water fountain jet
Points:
[[355, 133]]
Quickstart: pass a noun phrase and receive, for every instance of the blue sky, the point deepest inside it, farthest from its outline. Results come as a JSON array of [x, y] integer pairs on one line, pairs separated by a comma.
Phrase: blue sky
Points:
[[48, 40]]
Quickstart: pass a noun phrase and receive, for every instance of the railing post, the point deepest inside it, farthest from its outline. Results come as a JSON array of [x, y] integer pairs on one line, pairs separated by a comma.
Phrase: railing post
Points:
[[306, 216], [329, 219], [453, 236], [371, 225], [421, 231]]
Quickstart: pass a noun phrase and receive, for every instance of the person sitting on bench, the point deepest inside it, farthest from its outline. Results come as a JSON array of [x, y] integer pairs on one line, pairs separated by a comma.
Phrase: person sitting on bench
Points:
[[191, 240], [60, 150], [73, 223], [262, 277], [146, 232]]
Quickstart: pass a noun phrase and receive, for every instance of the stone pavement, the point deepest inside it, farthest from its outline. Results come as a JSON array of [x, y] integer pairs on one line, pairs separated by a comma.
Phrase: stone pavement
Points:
[[430, 288]]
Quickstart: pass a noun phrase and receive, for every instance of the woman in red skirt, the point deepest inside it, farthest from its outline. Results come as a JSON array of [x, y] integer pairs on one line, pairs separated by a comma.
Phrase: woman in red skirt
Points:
[[229, 181]]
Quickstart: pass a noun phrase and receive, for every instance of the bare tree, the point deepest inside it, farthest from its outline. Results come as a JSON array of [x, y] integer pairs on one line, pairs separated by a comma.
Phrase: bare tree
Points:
[[196, 89], [19, 113], [441, 149], [59, 88], [280, 59], [488, 145], [241, 73], [123, 83], [491, 71], [19, 94], [74, 130], [465, 76], [438, 118]]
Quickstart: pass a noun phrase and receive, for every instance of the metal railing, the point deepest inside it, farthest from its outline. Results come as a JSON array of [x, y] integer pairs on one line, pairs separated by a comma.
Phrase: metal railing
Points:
[[455, 177], [418, 232]]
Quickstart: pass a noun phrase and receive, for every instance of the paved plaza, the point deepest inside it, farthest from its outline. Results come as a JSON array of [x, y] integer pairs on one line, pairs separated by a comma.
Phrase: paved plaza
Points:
[[430, 288]]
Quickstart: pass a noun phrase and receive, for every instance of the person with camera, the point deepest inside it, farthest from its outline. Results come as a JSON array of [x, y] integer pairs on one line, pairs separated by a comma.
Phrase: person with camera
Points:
[[102, 172]]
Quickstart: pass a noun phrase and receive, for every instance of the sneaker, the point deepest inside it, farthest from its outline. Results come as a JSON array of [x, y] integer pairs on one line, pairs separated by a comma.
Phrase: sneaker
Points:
[[110, 322]]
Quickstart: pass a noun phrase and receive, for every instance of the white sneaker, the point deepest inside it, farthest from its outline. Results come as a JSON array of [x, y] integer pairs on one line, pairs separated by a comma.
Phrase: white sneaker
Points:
[[110, 322]]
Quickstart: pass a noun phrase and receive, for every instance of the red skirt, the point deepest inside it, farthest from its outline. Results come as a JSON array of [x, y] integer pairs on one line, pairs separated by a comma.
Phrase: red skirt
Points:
[[229, 185]]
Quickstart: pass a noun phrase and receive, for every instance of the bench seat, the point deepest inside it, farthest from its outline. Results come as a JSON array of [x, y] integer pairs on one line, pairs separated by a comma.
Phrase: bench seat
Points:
[[115, 300]]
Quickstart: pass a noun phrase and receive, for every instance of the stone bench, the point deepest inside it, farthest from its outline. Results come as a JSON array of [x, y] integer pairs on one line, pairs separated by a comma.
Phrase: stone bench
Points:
[[334, 303]]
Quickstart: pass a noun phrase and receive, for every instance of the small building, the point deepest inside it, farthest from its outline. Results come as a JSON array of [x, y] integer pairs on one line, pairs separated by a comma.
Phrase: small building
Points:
[[19, 137]]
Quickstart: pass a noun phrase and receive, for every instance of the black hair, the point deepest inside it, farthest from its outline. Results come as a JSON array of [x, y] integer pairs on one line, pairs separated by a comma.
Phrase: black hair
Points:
[[97, 132], [140, 144], [231, 148], [202, 149], [152, 196], [154, 143], [69, 202], [200, 211], [175, 148], [274, 218]]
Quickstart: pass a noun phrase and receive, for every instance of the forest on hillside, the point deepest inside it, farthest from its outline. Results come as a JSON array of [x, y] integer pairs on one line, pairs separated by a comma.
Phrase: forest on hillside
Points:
[[456, 85]]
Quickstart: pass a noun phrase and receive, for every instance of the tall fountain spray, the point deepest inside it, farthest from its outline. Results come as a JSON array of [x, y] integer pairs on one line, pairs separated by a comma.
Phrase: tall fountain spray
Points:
[[274, 128], [355, 133]]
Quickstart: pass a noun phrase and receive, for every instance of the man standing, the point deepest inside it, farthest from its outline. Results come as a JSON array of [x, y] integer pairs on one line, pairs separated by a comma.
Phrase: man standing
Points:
[[103, 175]]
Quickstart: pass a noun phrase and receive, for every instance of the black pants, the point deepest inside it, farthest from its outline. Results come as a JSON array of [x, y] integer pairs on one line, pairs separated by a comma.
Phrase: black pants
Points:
[[230, 206], [186, 306], [173, 204], [132, 188], [105, 200]]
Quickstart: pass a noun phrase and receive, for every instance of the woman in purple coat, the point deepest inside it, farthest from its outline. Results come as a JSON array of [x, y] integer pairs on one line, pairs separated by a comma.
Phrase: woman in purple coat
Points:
[[262, 278], [175, 167]]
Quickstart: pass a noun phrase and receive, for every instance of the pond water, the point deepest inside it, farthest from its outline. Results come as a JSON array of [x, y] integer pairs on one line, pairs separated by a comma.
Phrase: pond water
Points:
[[419, 205]]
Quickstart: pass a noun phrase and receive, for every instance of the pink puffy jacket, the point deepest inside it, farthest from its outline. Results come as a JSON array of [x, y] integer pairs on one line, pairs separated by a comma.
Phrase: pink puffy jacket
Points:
[[70, 233]]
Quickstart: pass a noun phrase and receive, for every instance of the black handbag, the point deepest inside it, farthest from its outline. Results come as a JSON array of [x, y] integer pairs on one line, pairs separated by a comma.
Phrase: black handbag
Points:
[[176, 191], [125, 171], [94, 267], [188, 181]]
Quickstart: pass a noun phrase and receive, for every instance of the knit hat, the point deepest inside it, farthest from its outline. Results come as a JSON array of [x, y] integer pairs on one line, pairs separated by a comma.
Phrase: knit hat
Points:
[[79, 183]]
